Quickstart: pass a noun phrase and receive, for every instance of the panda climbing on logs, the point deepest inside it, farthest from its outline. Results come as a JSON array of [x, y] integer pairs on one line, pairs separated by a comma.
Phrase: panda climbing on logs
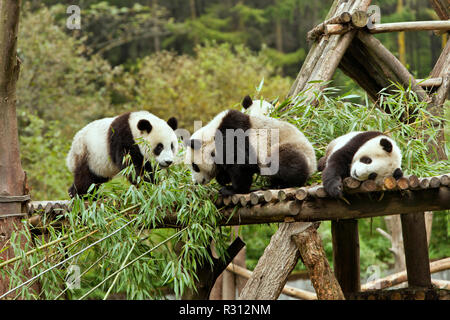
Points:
[[362, 156], [98, 149], [256, 108], [234, 146]]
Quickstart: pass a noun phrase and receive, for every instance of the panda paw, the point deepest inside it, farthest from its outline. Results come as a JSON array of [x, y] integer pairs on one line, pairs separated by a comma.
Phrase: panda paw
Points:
[[226, 191], [334, 188]]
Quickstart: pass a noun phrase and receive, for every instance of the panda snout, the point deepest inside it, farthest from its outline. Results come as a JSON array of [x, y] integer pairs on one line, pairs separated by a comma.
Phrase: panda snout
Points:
[[165, 163]]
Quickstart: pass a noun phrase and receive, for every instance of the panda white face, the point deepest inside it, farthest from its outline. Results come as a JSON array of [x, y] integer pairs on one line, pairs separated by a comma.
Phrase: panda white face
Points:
[[377, 159], [160, 140], [200, 157], [257, 107]]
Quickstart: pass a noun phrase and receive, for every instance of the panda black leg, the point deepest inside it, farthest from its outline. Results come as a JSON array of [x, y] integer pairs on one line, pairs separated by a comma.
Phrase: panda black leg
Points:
[[292, 170], [83, 179], [241, 179]]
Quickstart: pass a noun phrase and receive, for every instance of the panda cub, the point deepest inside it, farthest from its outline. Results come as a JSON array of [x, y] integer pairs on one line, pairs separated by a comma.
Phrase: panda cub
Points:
[[361, 155], [234, 146], [98, 149], [256, 108]]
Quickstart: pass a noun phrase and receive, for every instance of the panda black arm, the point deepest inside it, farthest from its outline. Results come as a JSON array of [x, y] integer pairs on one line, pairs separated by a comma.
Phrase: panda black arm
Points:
[[337, 168], [222, 176], [241, 180]]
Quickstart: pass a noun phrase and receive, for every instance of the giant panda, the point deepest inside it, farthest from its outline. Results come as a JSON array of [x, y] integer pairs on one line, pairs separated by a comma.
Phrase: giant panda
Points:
[[256, 108], [361, 155], [287, 161], [98, 149]]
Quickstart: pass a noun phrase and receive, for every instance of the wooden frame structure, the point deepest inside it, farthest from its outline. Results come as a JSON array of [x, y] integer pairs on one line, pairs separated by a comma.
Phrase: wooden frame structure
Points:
[[341, 41]]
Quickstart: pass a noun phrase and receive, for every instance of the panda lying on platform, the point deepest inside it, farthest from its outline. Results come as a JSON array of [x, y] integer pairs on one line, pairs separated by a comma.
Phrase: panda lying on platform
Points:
[[252, 148], [98, 149], [361, 155]]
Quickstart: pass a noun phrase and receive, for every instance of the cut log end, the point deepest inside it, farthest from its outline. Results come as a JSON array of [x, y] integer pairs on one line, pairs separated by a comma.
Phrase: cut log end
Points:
[[390, 183]]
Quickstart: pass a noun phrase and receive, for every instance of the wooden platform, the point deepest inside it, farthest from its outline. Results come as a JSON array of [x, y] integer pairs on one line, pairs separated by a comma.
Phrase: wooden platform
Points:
[[362, 200]]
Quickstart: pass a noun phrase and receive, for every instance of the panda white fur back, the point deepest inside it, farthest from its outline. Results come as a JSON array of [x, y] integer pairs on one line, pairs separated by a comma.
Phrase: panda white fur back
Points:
[[97, 150], [257, 107], [296, 156], [361, 155]]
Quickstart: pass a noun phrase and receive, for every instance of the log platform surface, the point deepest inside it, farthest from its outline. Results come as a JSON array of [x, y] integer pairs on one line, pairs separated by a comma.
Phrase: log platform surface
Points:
[[361, 200]]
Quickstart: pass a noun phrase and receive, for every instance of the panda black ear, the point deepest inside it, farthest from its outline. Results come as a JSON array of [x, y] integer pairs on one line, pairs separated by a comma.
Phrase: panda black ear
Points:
[[144, 125], [195, 144], [247, 102], [386, 144], [173, 123]]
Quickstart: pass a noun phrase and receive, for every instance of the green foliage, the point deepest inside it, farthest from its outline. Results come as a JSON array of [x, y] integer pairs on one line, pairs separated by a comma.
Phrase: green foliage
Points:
[[120, 227], [43, 152], [197, 88], [57, 81]]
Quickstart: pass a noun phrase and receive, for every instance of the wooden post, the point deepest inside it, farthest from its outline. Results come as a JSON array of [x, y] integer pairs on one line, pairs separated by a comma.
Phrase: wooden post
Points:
[[275, 265], [346, 255], [12, 176], [313, 255], [416, 249]]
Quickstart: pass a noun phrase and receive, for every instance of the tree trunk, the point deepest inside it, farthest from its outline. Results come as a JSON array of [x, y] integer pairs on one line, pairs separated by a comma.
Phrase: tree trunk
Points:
[[12, 176], [394, 227]]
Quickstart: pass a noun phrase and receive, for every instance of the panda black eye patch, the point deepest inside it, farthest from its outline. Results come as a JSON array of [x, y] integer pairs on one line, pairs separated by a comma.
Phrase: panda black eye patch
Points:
[[365, 160], [158, 149], [195, 167]]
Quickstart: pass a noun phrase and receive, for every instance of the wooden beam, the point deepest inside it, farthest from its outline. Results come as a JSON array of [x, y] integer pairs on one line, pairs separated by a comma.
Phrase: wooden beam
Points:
[[416, 249], [442, 8], [410, 26], [400, 277], [346, 255], [429, 83], [320, 29], [324, 56]]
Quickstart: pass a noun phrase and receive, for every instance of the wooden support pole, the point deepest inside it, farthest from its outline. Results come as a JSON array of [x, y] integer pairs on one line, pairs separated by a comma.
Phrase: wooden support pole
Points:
[[12, 176], [287, 290], [346, 255], [416, 249], [279, 258], [313, 256]]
